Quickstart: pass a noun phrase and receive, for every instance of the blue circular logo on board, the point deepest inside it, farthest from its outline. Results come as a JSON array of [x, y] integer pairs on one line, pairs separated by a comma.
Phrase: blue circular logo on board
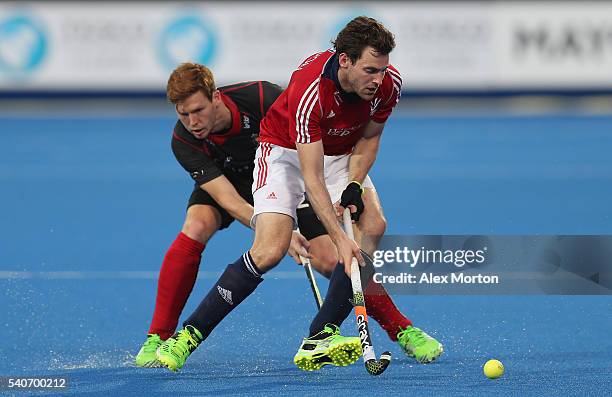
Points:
[[23, 45], [187, 39]]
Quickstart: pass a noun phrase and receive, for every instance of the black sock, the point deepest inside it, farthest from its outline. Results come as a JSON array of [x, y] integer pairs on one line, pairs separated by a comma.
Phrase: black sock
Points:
[[237, 282], [337, 304]]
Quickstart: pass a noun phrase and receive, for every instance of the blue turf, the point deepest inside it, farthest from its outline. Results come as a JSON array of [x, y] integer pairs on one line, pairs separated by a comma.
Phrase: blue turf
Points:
[[90, 195]]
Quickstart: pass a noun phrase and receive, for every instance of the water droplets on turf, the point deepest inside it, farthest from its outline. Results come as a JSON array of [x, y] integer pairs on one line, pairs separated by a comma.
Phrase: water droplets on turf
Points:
[[98, 360]]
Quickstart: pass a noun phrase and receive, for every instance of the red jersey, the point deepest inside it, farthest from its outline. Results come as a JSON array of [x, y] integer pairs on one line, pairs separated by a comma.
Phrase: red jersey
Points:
[[314, 107]]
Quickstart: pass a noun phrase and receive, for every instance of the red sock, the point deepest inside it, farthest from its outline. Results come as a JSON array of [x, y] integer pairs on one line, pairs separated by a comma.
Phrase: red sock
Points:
[[176, 279], [382, 309]]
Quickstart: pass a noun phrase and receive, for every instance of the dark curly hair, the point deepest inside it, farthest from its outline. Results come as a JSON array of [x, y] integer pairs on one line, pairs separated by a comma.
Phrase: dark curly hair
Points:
[[360, 33]]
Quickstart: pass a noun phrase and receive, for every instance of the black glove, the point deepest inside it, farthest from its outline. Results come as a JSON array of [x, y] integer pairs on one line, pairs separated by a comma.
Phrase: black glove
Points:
[[352, 196]]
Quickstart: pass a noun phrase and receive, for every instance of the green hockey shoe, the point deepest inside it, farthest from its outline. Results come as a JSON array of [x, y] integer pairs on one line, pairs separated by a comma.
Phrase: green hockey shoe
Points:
[[419, 345], [327, 347], [174, 352], [146, 356]]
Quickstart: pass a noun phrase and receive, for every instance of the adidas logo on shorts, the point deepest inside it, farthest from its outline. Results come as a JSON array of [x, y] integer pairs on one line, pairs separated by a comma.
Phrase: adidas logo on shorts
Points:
[[271, 196], [225, 294]]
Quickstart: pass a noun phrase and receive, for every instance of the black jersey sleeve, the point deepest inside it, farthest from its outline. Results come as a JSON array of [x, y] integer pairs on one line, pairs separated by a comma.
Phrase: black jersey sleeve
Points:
[[193, 157], [271, 91]]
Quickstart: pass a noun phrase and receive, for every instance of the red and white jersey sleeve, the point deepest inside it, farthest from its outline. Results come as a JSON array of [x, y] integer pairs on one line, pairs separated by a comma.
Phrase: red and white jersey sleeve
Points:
[[296, 114], [304, 109]]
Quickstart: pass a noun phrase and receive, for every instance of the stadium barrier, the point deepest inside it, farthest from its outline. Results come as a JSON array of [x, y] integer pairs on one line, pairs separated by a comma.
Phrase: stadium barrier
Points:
[[442, 47]]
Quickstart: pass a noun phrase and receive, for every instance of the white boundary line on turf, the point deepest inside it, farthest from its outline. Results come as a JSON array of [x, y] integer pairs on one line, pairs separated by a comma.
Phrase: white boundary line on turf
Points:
[[122, 275]]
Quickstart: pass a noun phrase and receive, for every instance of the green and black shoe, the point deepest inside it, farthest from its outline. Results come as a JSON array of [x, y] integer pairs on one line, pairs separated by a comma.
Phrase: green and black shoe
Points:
[[146, 356], [327, 347], [419, 345], [174, 352]]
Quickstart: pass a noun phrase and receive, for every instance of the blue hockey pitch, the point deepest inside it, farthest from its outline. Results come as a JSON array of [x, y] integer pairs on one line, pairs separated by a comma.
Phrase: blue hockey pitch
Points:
[[89, 206]]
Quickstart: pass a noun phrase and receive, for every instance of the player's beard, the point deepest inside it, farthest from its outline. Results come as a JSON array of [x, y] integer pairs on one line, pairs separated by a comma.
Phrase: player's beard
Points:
[[367, 93]]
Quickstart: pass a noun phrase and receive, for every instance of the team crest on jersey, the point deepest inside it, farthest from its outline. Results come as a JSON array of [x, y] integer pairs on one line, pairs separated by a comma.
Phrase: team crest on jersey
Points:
[[374, 105]]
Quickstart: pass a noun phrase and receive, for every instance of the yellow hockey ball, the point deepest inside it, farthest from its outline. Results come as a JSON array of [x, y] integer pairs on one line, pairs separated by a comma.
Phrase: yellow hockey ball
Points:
[[493, 369]]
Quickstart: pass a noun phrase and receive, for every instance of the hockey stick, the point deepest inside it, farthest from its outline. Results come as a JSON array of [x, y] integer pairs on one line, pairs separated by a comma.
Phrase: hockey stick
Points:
[[373, 366], [311, 280], [308, 269]]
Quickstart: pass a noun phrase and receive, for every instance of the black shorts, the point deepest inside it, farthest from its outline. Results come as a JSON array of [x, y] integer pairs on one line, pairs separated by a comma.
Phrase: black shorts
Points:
[[199, 196]]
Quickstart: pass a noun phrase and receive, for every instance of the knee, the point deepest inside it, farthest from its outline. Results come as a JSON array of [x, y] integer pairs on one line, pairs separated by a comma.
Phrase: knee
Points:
[[324, 262], [198, 229], [272, 239], [268, 257], [375, 226]]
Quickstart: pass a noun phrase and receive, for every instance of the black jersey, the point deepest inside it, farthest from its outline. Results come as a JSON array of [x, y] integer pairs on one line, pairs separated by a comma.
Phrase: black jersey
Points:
[[230, 152]]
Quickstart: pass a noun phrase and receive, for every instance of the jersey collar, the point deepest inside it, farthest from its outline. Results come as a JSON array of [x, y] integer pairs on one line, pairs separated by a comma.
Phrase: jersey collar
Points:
[[330, 71], [233, 108]]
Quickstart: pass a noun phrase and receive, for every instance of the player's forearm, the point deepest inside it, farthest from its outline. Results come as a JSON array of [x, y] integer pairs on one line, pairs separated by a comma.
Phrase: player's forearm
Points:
[[311, 164], [237, 207], [224, 193], [363, 158], [241, 211]]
